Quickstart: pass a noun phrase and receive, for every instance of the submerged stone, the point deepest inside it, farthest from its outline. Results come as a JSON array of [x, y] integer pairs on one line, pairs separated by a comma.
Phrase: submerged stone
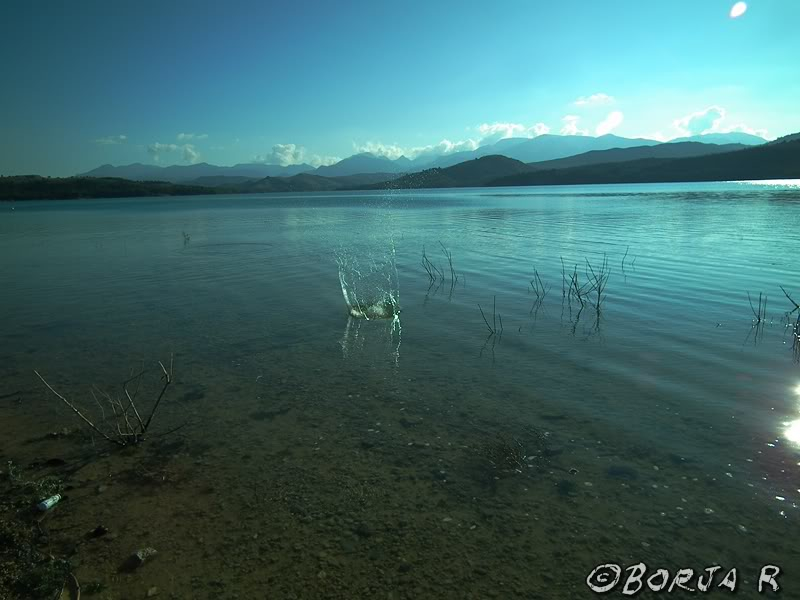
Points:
[[623, 472]]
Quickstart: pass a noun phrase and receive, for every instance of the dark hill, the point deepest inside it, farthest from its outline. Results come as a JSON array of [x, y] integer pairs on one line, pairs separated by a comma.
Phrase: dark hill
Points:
[[768, 161], [596, 157], [309, 182], [219, 180], [33, 187], [472, 173]]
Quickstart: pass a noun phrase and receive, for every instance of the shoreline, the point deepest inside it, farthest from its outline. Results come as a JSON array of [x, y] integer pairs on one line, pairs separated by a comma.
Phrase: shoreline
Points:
[[789, 182]]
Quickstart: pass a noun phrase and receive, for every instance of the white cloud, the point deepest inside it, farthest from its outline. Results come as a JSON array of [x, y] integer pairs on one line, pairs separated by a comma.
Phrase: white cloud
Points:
[[489, 133], [711, 120], [657, 136], [394, 151], [446, 147], [610, 123], [594, 100], [390, 151], [500, 131], [703, 121], [745, 129], [292, 154], [571, 126], [315, 160], [192, 136], [539, 129], [284, 154], [159, 150], [190, 155], [111, 139]]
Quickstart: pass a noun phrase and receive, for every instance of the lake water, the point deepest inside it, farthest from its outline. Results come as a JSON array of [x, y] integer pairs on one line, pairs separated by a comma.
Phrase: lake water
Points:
[[324, 456]]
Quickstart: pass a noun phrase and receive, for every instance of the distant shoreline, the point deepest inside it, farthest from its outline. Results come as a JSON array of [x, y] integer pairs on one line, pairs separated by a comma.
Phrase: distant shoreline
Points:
[[773, 161], [213, 192]]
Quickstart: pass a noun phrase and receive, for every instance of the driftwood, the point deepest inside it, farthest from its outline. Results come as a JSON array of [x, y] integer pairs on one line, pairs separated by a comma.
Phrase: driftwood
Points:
[[127, 426]]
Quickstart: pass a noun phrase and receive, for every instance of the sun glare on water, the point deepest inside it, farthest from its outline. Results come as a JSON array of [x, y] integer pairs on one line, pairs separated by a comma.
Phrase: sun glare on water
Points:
[[738, 9], [791, 430]]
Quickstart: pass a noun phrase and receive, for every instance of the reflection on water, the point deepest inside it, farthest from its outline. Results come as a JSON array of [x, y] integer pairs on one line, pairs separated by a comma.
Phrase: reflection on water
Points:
[[792, 432], [316, 463], [364, 342], [792, 428]]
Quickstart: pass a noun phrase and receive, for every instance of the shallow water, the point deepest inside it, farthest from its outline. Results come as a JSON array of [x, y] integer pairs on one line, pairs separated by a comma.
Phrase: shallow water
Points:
[[326, 456]]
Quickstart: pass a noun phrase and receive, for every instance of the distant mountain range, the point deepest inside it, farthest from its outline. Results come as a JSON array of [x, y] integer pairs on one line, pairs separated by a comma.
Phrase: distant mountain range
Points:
[[733, 137], [605, 166], [639, 162], [184, 173], [541, 148], [551, 147], [670, 150], [776, 160], [34, 187], [767, 161], [365, 163], [472, 173], [309, 182]]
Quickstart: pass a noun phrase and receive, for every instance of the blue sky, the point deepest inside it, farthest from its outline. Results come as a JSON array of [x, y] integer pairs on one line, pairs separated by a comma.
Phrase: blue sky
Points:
[[174, 82]]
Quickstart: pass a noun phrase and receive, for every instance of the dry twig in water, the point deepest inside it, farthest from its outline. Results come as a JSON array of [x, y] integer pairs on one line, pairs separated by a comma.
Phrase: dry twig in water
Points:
[[761, 314], [127, 426], [495, 317]]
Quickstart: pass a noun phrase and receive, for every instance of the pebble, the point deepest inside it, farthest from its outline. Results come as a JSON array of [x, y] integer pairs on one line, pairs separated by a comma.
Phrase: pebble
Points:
[[363, 530], [153, 591], [708, 511], [143, 554]]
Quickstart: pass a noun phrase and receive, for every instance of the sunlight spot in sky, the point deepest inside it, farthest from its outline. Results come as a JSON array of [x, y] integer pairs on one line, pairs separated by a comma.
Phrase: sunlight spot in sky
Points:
[[738, 9]]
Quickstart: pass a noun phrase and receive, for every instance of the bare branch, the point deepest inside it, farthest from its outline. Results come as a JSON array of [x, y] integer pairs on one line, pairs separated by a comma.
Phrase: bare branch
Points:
[[167, 380], [76, 411], [133, 406], [484, 319], [796, 305]]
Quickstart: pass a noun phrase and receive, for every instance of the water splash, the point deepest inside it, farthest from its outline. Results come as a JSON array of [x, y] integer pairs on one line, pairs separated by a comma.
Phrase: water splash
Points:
[[371, 291], [370, 285]]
